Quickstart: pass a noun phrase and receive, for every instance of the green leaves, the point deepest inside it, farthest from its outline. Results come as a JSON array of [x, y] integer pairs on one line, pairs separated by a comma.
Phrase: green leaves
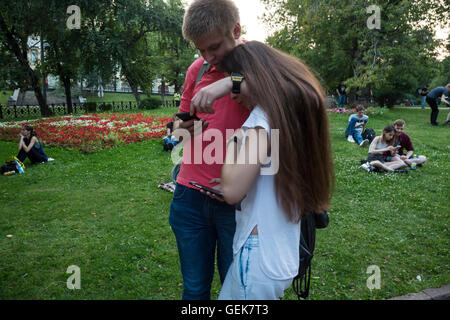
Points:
[[333, 38]]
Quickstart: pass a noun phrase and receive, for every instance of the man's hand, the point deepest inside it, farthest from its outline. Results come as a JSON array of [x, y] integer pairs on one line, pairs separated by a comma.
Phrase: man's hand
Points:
[[203, 100], [190, 125]]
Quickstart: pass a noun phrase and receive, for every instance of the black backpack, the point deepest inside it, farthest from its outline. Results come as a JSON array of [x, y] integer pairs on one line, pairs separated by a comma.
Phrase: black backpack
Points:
[[369, 134], [313, 221], [8, 166]]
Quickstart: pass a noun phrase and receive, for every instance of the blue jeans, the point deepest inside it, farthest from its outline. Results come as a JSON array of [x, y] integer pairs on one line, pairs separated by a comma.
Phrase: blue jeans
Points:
[[423, 101], [357, 136], [200, 224], [354, 133], [342, 99]]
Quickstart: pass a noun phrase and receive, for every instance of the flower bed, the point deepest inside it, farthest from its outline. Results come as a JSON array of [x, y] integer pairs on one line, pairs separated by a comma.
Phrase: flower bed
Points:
[[369, 111], [90, 133]]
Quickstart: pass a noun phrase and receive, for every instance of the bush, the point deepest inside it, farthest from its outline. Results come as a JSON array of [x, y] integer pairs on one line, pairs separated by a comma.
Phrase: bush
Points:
[[152, 102], [106, 107], [90, 106]]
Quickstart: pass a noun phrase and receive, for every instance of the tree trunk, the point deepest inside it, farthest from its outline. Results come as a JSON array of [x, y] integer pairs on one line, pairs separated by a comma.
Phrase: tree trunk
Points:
[[23, 60], [163, 90], [131, 82], [67, 89]]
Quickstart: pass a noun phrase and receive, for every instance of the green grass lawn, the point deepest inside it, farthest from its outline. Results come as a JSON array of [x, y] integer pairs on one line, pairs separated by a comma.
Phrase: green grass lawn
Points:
[[104, 213], [4, 96]]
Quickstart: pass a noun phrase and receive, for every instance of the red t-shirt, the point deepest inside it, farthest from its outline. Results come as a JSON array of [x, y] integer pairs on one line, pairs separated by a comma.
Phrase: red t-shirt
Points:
[[205, 162], [405, 143]]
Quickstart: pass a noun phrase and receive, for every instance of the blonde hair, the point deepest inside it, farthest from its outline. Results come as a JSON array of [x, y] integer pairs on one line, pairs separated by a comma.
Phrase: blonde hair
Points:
[[399, 122], [205, 16]]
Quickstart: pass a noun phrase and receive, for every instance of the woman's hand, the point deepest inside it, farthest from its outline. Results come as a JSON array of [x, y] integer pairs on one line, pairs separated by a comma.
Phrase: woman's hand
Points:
[[203, 100], [217, 187]]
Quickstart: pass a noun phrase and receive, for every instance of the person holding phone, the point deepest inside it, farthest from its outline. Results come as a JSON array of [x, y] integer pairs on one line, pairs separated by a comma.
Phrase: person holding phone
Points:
[[356, 125], [287, 101], [404, 142], [382, 152], [203, 224]]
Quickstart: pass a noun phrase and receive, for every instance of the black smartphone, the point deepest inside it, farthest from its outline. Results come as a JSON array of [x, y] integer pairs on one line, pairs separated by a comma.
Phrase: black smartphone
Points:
[[185, 116], [213, 191]]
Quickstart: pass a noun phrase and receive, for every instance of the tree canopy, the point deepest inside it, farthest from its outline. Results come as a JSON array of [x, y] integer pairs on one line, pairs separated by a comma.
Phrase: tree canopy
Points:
[[140, 39], [334, 38]]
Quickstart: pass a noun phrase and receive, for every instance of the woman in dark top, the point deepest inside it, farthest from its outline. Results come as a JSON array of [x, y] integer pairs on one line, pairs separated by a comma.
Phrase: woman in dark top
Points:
[[30, 146]]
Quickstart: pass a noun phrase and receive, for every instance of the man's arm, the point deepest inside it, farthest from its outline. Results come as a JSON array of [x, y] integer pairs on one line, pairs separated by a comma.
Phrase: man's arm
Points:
[[445, 100], [185, 103]]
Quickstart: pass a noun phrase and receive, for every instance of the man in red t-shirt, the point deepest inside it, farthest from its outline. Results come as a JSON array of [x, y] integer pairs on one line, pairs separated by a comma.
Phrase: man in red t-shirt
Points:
[[203, 222], [403, 140]]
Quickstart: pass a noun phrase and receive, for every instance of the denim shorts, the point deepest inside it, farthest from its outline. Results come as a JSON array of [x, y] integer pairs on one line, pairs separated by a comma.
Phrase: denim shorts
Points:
[[246, 281]]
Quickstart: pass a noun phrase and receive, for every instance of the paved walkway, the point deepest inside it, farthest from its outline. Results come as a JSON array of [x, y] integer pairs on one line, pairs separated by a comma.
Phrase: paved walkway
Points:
[[418, 107], [442, 293]]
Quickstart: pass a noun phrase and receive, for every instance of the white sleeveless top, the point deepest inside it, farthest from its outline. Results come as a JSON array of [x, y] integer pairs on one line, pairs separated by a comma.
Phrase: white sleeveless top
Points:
[[278, 237]]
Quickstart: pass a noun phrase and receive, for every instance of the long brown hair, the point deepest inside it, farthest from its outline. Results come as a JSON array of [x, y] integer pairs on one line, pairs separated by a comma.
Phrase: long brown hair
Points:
[[388, 129], [293, 100]]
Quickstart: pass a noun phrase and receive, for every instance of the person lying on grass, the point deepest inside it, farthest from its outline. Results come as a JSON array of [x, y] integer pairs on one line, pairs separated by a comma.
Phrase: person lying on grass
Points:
[[380, 147]]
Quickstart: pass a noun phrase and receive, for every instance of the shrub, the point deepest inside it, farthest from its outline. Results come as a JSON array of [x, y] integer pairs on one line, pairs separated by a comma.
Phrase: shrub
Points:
[[106, 107], [152, 102], [90, 106]]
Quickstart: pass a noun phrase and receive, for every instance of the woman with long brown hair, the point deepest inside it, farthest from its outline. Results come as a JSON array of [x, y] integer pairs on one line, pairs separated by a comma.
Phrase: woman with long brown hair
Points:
[[30, 146], [287, 107]]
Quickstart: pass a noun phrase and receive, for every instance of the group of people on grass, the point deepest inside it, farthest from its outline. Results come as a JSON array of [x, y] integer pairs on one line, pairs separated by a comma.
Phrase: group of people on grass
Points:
[[252, 89], [391, 151]]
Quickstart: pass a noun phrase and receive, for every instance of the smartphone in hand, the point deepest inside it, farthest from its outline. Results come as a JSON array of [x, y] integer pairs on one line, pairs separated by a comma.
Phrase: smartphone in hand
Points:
[[185, 116], [211, 190]]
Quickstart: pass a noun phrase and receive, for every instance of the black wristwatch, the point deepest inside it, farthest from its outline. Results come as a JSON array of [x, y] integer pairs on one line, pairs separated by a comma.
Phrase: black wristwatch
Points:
[[237, 79]]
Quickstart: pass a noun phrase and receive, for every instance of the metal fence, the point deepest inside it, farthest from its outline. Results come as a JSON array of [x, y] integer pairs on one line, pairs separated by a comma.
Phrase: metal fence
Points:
[[33, 112]]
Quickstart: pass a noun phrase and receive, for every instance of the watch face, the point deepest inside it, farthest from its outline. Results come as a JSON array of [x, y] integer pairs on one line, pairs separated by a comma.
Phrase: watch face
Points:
[[237, 77]]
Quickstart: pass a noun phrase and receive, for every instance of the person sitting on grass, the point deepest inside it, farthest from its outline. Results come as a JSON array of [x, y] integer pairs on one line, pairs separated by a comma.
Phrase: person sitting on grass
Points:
[[31, 147], [356, 125], [382, 145], [170, 141], [402, 139]]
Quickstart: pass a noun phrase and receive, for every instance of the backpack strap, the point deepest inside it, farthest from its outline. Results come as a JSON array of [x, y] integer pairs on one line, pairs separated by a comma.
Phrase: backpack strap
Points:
[[203, 69]]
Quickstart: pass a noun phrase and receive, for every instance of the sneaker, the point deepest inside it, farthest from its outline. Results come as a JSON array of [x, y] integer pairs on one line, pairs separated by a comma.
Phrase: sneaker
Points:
[[435, 124], [366, 167], [350, 139], [413, 166], [364, 143], [402, 170]]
